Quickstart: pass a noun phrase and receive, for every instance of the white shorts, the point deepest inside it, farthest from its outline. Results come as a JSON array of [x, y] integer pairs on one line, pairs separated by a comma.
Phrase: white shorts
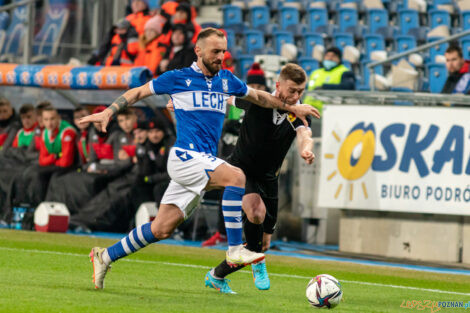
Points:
[[189, 173]]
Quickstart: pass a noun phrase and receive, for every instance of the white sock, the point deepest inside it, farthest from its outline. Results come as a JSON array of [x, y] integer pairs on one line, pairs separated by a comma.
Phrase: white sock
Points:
[[232, 249], [105, 257]]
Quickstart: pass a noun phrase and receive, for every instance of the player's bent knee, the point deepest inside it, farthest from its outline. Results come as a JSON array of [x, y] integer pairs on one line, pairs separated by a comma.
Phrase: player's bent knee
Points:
[[237, 178], [256, 216]]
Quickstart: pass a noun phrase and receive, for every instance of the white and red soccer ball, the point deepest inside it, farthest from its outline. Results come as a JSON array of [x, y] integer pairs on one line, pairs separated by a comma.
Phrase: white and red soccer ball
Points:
[[324, 291]]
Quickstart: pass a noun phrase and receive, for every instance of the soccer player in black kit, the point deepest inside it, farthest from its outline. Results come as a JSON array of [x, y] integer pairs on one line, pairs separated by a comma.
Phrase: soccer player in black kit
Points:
[[265, 137]]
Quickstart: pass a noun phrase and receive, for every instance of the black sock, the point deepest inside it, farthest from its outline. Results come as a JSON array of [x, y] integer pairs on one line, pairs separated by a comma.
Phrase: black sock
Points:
[[223, 269], [253, 236]]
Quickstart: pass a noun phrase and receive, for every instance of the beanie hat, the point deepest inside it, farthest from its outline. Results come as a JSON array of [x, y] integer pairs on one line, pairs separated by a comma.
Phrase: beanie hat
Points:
[[123, 23], [156, 123], [142, 125], [99, 109], [336, 51], [255, 75]]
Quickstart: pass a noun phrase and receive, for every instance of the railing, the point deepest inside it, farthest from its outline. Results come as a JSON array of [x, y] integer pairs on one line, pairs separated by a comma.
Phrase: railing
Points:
[[427, 46]]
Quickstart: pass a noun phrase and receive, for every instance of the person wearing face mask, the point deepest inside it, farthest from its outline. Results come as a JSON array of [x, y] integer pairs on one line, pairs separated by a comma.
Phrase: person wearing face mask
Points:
[[333, 75]]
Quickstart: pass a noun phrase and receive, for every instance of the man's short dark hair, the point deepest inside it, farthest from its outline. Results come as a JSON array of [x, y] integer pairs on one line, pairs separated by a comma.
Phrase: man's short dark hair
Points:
[[455, 48], [4, 101], [26, 108], [41, 105], [209, 31], [80, 108], [336, 51], [126, 112], [293, 72]]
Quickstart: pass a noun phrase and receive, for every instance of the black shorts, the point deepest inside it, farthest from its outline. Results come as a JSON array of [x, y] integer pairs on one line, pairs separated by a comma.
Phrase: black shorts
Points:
[[268, 190]]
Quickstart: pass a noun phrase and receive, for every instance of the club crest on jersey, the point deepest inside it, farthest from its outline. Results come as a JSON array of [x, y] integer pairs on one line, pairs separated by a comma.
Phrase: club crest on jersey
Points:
[[188, 82], [225, 85], [291, 117]]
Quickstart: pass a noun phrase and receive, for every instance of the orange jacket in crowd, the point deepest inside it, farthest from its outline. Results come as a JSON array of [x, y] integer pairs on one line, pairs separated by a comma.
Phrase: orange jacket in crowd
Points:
[[138, 21], [127, 51], [152, 53]]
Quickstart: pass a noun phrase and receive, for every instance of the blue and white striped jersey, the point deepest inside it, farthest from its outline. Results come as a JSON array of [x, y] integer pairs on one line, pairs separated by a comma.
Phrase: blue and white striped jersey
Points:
[[200, 104]]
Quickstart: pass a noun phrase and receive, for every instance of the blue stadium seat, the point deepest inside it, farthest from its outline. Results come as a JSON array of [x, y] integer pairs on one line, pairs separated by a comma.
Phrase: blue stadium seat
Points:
[[435, 3], [377, 18], [388, 32], [14, 34], [288, 16], [268, 29], [231, 41], [465, 44], [280, 38], [308, 64], [244, 63], [437, 74], [366, 74], [373, 43], [436, 50], [254, 41], [465, 20], [298, 30], [259, 16], [310, 41], [438, 17], [4, 20], [420, 33], [348, 19], [46, 42], [232, 15], [317, 17], [404, 43], [408, 19], [341, 40]]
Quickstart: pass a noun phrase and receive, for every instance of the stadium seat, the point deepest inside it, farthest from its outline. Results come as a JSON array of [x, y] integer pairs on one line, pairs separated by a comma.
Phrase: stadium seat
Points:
[[317, 17], [308, 64], [13, 44], [231, 41], [254, 41], [259, 16], [436, 50], [46, 42], [342, 40], [438, 17], [465, 20], [298, 30], [244, 63], [373, 43], [420, 33], [465, 44], [2, 38], [437, 74], [366, 74], [347, 19], [4, 20], [408, 19], [310, 41], [280, 38], [377, 18], [232, 15], [288, 16], [404, 43]]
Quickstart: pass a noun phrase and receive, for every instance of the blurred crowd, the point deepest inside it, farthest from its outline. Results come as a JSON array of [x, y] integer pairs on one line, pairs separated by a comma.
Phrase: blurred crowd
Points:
[[102, 177]]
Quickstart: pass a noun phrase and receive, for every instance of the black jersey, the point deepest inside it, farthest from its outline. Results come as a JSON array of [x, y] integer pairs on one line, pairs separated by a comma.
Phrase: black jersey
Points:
[[265, 137]]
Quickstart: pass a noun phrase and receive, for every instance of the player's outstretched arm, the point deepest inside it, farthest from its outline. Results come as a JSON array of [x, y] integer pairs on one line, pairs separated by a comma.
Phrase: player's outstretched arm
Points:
[[305, 144], [266, 100], [128, 98]]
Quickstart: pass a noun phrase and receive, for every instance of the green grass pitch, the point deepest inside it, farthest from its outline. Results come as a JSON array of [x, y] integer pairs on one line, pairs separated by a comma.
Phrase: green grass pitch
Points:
[[43, 272]]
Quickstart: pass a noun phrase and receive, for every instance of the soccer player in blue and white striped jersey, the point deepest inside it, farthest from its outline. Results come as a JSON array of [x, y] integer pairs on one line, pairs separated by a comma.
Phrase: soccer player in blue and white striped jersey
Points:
[[199, 94]]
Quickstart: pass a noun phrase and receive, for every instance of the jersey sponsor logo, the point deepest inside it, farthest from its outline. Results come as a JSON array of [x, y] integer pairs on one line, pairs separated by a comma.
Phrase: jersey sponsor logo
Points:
[[188, 82], [183, 155], [209, 83], [225, 85], [152, 155]]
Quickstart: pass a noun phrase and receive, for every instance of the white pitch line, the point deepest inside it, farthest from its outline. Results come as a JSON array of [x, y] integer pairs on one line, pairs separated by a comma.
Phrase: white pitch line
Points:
[[244, 271]]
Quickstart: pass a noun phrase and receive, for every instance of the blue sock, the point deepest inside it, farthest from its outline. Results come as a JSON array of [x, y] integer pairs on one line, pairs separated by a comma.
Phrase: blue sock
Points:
[[232, 210], [138, 238]]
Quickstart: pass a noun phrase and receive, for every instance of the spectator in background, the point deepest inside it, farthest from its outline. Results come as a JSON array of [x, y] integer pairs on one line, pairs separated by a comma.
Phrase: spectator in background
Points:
[[332, 76], [82, 139], [9, 124], [227, 63], [183, 15], [151, 47], [181, 51], [58, 140], [139, 15], [458, 79]]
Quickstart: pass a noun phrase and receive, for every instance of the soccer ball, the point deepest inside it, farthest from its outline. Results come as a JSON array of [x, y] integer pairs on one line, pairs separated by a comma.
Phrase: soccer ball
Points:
[[324, 291]]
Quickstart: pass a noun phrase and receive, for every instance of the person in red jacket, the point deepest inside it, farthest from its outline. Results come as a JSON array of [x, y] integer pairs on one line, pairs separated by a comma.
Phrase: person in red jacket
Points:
[[58, 144], [124, 45]]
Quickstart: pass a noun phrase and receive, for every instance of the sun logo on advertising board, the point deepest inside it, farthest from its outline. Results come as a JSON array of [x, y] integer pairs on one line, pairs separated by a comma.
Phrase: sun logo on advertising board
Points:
[[354, 157]]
